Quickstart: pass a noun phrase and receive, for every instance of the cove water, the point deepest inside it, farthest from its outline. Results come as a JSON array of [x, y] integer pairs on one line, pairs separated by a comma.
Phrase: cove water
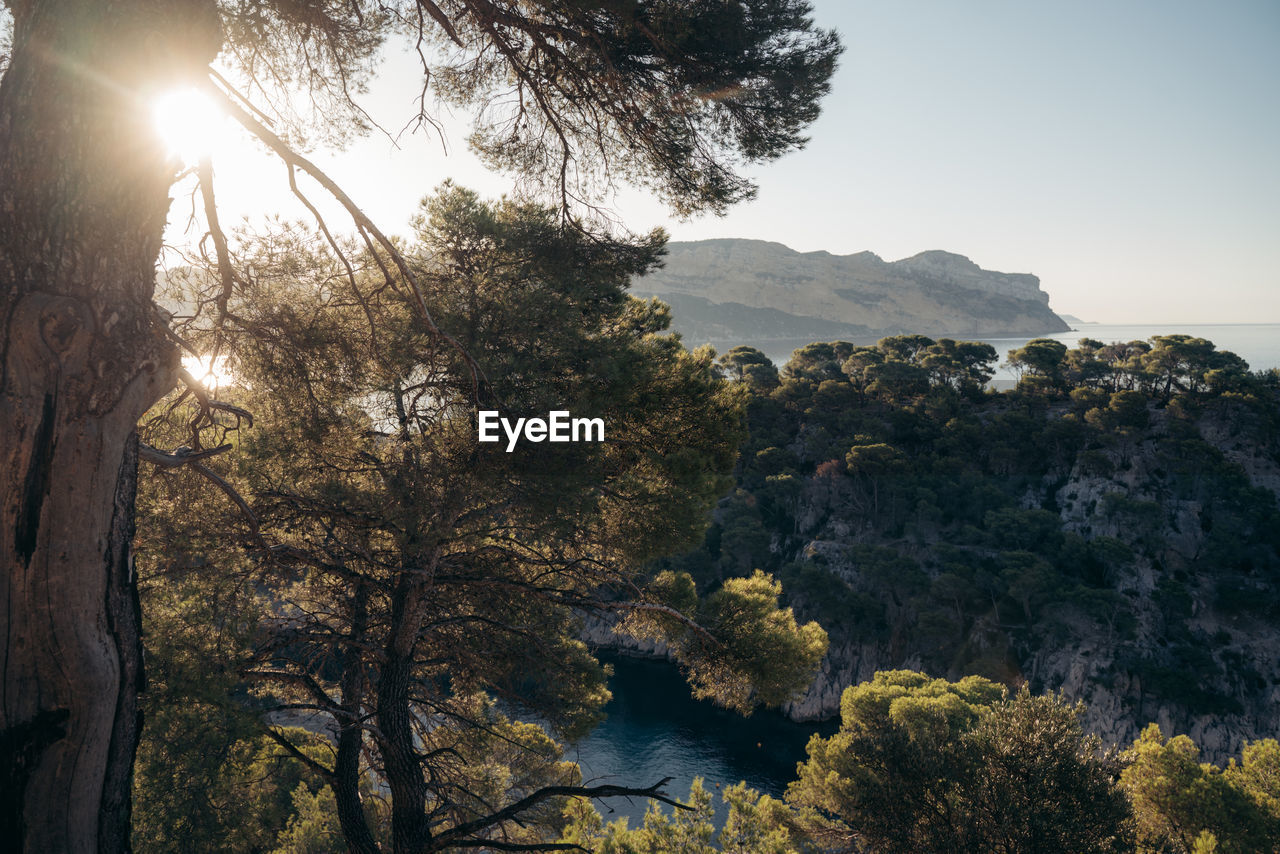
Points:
[[655, 729]]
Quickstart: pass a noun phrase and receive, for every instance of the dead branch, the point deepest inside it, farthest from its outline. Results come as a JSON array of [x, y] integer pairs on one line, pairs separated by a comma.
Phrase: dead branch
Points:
[[201, 393], [180, 457], [225, 271], [463, 832]]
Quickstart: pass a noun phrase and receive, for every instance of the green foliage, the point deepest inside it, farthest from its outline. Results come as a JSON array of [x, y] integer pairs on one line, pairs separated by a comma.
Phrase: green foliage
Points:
[[410, 571], [755, 824], [1205, 843], [357, 492], [758, 824], [206, 775], [948, 507], [1184, 805], [818, 361], [688, 830], [736, 645], [668, 96], [314, 828], [963, 365], [872, 460], [1041, 363], [749, 365], [923, 764], [897, 382], [1044, 785], [1188, 364], [1258, 774], [744, 539], [831, 601]]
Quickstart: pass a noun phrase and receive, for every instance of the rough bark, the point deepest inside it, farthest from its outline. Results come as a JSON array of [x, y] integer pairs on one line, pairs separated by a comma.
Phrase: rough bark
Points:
[[410, 832], [346, 769], [83, 199]]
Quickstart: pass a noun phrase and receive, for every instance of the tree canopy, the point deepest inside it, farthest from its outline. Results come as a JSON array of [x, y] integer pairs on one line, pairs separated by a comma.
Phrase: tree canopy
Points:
[[569, 95], [415, 574], [1185, 805], [910, 509], [668, 95], [923, 764]]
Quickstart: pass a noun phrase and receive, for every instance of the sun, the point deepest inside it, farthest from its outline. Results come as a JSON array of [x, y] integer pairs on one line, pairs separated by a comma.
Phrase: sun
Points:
[[189, 124], [212, 374]]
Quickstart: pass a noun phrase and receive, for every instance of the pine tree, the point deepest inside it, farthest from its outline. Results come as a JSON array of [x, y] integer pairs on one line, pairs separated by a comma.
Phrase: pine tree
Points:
[[666, 95], [415, 572]]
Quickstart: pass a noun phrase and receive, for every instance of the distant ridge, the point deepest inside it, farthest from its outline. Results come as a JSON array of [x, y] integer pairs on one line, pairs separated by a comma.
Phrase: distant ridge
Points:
[[749, 291]]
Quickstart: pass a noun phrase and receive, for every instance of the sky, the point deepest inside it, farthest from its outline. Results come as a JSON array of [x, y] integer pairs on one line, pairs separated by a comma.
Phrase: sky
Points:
[[1127, 153]]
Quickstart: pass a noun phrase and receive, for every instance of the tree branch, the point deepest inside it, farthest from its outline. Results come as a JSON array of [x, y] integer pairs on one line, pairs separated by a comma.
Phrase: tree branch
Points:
[[440, 18], [293, 751], [516, 846], [230, 492], [362, 221], [202, 394], [180, 457], [470, 828], [226, 272]]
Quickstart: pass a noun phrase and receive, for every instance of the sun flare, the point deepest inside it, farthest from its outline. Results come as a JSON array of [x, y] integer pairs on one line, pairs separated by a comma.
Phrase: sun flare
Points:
[[212, 375], [189, 124]]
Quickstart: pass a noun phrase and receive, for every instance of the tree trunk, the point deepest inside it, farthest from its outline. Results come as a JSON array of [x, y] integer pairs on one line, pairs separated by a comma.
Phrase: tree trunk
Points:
[[83, 199], [346, 767], [410, 832]]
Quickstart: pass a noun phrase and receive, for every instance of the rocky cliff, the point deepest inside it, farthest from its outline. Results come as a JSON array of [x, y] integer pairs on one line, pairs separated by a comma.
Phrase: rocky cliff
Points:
[[749, 291], [1188, 642], [1111, 530]]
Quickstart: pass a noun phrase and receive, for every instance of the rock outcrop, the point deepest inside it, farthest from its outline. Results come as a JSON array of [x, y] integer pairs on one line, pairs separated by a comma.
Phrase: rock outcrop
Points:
[[1122, 675], [749, 291]]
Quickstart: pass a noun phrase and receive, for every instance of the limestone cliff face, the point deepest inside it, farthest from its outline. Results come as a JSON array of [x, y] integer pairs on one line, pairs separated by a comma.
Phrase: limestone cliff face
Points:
[[1122, 548], [933, 293], [1113, 671]]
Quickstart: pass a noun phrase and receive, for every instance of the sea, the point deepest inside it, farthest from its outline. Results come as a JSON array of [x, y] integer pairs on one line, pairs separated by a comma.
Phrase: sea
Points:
[[1256, 343]]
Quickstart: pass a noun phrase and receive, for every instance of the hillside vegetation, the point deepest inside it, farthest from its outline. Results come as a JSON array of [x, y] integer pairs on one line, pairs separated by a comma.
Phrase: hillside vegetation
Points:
[[360, 619], [1109, 528]]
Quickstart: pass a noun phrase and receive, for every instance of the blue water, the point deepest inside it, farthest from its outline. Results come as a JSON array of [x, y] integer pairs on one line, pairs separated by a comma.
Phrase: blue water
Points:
[[1256, 343], [655, 729]]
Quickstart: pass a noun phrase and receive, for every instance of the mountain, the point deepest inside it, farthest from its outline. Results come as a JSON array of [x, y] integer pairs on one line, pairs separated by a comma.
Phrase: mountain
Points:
[[753, 291]]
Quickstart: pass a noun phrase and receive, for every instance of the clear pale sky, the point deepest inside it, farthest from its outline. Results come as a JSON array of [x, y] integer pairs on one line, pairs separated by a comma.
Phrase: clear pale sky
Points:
[[1127, 153]]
